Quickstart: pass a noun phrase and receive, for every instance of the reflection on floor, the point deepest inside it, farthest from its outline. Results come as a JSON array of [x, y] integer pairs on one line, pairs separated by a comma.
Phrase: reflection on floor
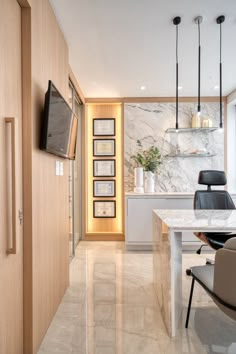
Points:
[[111, 308]]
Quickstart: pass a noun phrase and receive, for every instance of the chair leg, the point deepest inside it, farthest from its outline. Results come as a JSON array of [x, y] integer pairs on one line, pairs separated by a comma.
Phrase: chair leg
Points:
[[189, 303], [188, 271]]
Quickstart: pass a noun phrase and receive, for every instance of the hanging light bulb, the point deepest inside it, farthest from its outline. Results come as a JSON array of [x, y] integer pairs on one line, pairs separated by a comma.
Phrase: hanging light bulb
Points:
[[176, 22], [219, 21]]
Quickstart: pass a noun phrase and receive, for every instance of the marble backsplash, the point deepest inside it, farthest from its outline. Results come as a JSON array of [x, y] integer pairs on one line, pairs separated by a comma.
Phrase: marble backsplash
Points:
[[148, 123]]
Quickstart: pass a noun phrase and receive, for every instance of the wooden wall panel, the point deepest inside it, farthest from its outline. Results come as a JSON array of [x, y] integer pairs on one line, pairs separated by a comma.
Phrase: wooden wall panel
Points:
[[27, 175], [50, 192], [152, 99], [11, 263]]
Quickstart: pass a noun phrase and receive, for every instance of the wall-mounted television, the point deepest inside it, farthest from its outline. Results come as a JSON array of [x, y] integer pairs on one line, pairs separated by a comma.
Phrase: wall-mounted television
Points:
[[59, 125]]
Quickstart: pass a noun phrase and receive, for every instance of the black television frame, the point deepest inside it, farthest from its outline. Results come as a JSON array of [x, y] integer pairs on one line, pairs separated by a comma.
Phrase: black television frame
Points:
[[44, 126]]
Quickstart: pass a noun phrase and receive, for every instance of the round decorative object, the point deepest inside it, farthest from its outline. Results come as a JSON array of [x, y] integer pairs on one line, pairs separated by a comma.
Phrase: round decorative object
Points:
[[138, 180], [149, 186]]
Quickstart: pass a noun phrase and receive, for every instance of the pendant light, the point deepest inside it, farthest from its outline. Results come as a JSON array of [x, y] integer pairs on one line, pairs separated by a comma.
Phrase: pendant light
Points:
[[219, 21], [176, 22], [198, 21]]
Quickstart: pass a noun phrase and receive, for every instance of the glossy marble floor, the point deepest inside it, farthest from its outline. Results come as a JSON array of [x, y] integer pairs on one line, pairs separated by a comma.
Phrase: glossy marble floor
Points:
[[111, 308]]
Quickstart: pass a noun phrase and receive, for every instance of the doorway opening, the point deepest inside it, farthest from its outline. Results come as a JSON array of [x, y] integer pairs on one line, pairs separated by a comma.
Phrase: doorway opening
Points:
[[75, 177]]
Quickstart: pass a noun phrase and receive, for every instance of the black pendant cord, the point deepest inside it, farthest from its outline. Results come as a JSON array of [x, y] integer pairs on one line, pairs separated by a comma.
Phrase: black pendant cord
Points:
[[177, 81], [198, 20], [219, 21], [176, 22], [221, 122], [199, 68]]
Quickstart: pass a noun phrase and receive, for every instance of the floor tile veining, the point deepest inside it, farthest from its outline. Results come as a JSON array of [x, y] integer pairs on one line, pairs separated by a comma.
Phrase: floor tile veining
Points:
[[111, 308]]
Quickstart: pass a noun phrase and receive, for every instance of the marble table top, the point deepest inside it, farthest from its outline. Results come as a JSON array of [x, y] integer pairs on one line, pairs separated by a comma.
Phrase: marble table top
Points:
[[171, 195], [198, 220]]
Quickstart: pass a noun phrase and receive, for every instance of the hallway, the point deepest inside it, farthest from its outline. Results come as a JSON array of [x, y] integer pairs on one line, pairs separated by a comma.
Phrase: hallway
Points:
[[111, 308]]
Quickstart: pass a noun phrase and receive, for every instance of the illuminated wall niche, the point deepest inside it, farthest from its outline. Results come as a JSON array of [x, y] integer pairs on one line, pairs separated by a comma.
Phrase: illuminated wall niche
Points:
[[104, 228]]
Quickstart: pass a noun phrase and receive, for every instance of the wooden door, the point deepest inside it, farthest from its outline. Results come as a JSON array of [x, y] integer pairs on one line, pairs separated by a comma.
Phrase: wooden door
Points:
[[11, 256]]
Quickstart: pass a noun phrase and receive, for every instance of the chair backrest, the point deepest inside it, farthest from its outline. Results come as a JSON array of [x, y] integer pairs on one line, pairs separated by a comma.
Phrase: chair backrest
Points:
[[212, 199], [224, 276]]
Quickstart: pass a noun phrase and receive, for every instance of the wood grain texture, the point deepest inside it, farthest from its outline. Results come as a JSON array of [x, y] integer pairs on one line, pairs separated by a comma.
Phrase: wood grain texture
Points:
[[24, 3], [11, 266], [152, 99], [101, 237], [83, 164], [12, 249], [76, 85], [231, 97], [107, 228], [122, 167], [27, 176], [50, 193]]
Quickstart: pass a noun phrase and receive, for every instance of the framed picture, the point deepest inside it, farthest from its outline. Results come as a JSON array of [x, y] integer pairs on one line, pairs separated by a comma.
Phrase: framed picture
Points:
[[104, 168], [104, 127], [104, 147], [104, 209], [104, 188]]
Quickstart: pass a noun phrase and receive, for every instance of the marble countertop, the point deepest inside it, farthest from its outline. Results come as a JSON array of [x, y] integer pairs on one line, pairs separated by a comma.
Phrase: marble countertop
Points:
[[198, 220], [159, 195]]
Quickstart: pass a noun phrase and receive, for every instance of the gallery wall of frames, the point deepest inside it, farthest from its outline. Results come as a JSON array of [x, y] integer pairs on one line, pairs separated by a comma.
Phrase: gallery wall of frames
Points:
[[103, 172]]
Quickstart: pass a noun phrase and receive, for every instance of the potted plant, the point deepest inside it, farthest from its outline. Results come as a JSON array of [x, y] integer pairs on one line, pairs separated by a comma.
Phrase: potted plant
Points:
[[149, 160]]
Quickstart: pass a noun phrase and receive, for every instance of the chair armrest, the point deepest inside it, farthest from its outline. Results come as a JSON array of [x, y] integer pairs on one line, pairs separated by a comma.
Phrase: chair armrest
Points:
[[225, 275]]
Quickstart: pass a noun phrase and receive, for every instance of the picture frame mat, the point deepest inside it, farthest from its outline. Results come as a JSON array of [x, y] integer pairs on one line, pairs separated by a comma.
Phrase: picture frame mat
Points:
[[104, 188], [104, 147], [104, 168], [104, 209], [104, 127]]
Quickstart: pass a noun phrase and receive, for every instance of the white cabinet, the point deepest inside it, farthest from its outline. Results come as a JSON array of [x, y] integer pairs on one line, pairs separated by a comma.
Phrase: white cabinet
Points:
[[139, 219]]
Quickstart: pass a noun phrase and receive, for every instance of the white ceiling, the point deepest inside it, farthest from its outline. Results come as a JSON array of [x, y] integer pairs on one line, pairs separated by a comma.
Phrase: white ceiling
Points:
[[116, 46]]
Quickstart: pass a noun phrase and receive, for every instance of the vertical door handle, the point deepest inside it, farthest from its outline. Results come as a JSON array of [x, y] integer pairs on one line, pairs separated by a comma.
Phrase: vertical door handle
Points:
[[11, 121], [20, 216]]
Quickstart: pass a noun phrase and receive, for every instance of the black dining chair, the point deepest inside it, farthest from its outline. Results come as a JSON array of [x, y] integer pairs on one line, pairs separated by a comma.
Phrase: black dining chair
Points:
[[212, 199]]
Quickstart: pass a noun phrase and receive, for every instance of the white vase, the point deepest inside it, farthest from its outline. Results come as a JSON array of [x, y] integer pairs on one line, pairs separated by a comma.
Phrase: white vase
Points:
[[138, 180], [149, 185]]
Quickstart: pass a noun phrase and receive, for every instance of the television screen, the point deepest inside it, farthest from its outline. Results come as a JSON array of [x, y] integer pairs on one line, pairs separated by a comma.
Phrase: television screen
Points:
[[59, 128]]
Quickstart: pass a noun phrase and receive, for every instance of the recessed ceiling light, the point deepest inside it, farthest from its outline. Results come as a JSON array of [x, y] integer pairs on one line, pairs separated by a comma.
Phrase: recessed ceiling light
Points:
[[216, 87], [180, 88], [143, 88]]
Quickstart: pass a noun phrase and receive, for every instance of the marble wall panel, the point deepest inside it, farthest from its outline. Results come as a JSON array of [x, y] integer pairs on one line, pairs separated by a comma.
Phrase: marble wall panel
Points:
[[148, 122]]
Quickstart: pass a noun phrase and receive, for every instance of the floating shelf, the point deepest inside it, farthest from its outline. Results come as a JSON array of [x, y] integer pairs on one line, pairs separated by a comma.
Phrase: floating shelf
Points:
[[186, 130], [191, 155]]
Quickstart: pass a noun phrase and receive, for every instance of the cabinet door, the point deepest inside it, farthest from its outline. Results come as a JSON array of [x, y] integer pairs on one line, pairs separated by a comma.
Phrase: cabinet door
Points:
[[139, 219], [11, 265]]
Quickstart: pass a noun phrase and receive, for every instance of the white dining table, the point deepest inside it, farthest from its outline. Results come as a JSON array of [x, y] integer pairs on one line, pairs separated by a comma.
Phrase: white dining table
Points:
[[168, 226]]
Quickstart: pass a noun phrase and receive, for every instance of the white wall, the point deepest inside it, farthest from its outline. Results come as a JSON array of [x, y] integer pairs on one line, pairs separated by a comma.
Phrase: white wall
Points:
[[231, 142]]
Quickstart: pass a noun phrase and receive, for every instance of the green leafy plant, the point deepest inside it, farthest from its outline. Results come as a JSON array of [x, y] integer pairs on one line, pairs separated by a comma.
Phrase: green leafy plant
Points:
[[150, 159]]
